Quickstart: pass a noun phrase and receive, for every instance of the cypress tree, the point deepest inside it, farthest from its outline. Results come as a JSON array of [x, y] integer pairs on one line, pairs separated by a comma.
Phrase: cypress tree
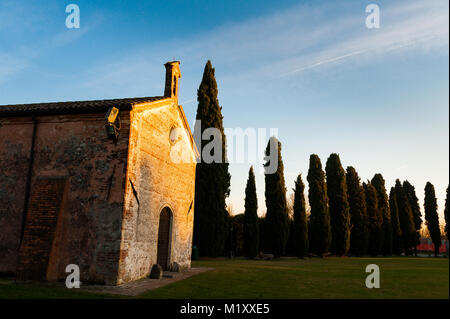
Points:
[[338, 206], [410, 193], [300, 223], [212, 180], [375, 219], [251, 229], [383, 205], [431, 216], [290, 250], [359, 235], [277, 224], [406, 218], [446, 213], [397, 243], [319, 220], [236, 242]]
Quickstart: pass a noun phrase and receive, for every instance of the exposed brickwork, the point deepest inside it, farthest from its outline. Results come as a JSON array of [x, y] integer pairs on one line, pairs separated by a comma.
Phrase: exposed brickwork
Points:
[[40, 227], [15, 144], [75, 146]]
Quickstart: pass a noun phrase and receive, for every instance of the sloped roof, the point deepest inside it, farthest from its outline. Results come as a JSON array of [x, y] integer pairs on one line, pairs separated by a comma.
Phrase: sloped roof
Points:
[[92, 106], [188, 130], [73, 107]]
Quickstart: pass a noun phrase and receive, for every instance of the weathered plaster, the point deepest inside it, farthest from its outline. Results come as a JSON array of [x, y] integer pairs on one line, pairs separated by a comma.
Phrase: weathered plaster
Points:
[[159, 182]]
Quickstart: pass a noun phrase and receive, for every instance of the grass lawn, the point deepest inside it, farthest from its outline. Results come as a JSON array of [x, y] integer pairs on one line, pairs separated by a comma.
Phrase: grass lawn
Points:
[[10, 290], [401, 277]]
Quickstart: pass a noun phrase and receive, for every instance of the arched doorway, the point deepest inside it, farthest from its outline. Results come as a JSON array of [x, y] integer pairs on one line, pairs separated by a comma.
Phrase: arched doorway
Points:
[[164, 231]]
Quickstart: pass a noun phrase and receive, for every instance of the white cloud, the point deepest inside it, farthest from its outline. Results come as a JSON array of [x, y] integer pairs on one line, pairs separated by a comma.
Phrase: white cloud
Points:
[[301, 38], [23, 22], [289, 42]]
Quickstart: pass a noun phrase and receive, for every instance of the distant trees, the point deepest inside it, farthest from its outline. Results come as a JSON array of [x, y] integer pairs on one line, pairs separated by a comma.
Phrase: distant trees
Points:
[[383, 205], [359, 235], [406, 218], [251, 227], [234, 244], [319, 224], [410, 193], [212, 180], [338, 206], [375, 219], [446, 213], [276, 221], [431, 216], [378, 223], [299, 229], [397, 242], [262, 232]]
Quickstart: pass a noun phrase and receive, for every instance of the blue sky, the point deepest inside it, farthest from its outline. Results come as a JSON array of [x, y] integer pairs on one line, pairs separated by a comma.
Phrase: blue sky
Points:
[[378, 97]]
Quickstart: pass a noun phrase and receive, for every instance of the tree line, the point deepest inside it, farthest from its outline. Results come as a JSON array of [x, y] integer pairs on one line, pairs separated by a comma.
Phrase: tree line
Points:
[[346, 216]]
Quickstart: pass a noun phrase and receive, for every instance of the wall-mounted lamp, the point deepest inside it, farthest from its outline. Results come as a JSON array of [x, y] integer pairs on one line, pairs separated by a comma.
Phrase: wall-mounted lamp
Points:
[[111, 129]]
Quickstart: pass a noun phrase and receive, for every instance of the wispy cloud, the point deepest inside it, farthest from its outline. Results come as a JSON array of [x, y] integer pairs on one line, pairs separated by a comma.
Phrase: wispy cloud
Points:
[[423, 27], [300, 39], [22, 28], [286, 43]]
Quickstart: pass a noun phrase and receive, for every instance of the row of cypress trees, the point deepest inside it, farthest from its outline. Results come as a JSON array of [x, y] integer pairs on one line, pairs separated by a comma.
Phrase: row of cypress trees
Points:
[[346, 216]]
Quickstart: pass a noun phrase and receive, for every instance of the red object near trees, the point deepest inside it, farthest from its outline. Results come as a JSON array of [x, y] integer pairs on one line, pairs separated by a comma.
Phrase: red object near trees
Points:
[[426, 245]]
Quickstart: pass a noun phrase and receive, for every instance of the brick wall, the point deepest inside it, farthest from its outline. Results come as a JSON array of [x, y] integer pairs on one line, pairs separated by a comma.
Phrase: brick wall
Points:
[[46, 201], [101, 227], [77, 147], [15, 144]]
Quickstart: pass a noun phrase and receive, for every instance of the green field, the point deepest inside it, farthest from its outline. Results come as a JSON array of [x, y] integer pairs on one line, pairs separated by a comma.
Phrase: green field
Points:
[[401, 277]]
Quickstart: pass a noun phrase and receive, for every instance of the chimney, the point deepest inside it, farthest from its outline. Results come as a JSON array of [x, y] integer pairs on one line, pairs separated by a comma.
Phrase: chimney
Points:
[[172, 76]]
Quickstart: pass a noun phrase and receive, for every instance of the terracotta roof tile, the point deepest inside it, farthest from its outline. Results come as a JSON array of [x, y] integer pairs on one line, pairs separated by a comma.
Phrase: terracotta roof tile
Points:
[[75, 107]]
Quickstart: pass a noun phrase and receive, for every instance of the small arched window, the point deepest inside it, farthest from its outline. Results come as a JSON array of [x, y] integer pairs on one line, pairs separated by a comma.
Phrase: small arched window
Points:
[[174, 135]]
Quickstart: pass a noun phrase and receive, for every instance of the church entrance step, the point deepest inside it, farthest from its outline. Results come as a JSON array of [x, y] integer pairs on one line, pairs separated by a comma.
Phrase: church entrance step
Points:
[[171, 274]]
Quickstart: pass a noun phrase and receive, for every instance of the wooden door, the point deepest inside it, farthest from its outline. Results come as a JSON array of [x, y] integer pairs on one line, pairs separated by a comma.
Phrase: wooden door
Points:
[[164, 238]]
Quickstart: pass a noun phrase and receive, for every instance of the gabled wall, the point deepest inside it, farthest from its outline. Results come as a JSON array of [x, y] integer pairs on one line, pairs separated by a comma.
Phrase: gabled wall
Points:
[[155, 181]]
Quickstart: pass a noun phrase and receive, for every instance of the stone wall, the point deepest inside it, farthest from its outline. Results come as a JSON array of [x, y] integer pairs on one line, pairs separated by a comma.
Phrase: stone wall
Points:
[[46, 201], [15, 144], [114, 192], [74, 147], [155, 181]]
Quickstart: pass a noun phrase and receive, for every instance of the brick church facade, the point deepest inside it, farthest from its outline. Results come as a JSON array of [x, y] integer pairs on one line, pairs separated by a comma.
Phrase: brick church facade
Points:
[[104, 193]]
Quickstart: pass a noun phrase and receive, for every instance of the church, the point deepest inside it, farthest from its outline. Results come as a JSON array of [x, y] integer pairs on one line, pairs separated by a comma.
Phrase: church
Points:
[[98, 184]]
